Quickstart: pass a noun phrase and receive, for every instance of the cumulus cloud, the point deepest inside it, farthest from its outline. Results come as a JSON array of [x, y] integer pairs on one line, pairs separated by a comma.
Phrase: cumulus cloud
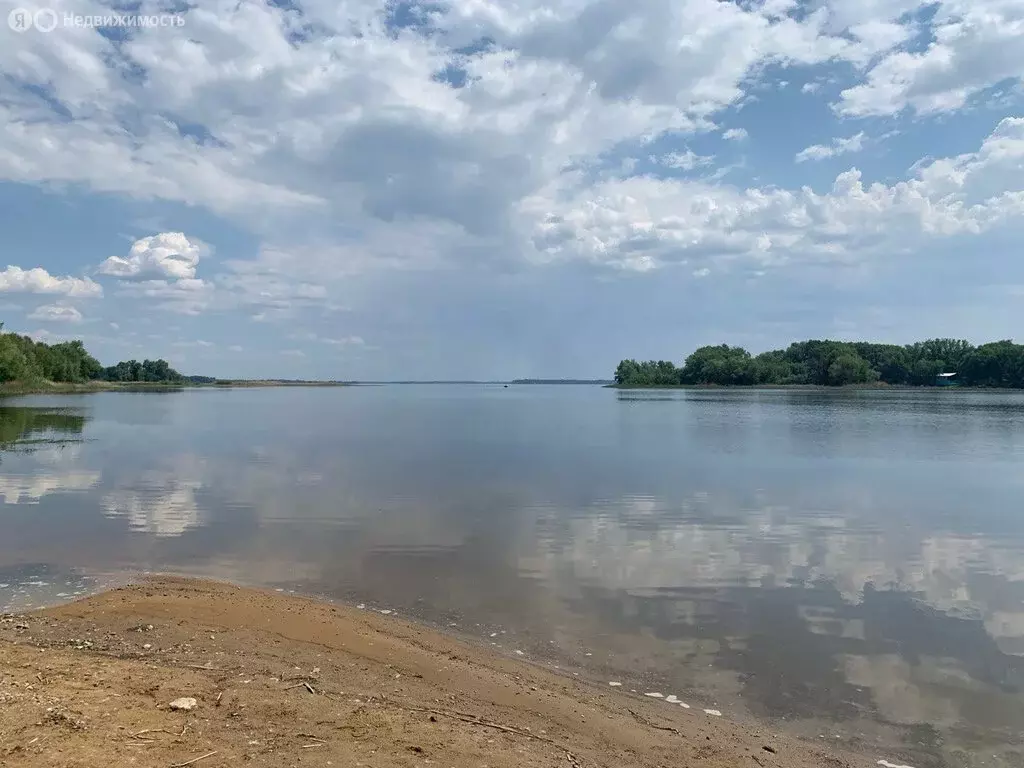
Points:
[[348, 146], [243, 112], [974, 46], [642, 223], [168, 255], [838, 146], [38, 280], [56, 313]]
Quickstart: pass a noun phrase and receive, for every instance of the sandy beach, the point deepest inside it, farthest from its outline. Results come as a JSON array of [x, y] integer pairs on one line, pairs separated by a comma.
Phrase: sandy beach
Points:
[[279, 680]]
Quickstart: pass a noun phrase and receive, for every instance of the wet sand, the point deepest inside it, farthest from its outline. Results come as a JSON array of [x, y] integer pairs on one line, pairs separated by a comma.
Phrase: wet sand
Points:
[[289, 681]]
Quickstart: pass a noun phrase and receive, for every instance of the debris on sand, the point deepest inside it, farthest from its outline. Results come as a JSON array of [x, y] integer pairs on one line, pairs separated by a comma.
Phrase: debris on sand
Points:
[[294, 681]]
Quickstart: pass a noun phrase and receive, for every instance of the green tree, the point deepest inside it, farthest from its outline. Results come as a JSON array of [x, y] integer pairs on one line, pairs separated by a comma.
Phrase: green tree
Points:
[[998, 364], [850, 368], [25, 360], [720, 364], [834, 363]]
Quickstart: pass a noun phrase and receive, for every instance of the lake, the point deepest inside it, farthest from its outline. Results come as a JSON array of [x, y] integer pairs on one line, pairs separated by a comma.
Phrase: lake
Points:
[[848, 565]]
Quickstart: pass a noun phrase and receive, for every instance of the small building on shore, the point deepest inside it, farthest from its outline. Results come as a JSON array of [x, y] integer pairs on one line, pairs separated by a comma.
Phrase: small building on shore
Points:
[[946, 380]]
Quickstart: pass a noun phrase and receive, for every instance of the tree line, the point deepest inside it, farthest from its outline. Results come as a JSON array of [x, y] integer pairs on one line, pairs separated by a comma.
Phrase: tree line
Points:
[[25, 360], [837, 363]]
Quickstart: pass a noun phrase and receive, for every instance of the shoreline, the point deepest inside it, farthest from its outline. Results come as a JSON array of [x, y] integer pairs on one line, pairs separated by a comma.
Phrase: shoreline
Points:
[[816, 387], [280, 679], [16, 389]]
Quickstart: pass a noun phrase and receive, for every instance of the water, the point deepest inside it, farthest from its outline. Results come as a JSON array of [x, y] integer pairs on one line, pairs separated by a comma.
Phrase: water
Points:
[[848, 565]]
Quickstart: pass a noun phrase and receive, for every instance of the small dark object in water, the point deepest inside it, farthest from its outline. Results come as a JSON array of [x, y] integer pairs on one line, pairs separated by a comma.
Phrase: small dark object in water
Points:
[[506, 386]]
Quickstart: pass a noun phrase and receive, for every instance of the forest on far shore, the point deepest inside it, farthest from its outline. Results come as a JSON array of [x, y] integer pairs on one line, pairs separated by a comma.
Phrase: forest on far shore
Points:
[[838, 363], [25, 360]]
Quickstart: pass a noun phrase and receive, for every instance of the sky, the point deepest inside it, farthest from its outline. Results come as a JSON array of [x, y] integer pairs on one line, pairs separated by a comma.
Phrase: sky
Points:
[[348, 189]]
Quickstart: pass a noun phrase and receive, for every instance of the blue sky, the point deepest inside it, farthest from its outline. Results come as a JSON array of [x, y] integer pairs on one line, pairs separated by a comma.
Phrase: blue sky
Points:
[[504, 188]]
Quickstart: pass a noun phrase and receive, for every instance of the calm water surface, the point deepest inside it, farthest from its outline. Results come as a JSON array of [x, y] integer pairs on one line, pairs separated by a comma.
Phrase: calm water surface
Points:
[[849, 565]]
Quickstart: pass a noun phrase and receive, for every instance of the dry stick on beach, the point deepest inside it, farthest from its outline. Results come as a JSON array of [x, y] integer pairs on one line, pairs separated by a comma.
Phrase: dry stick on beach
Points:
[[649, 724], [475, 719], [138, 734], [194, 760], [201, 667]]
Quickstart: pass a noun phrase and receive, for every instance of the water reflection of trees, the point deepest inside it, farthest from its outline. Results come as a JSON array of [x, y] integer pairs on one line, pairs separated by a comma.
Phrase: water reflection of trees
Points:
[[20, 426]]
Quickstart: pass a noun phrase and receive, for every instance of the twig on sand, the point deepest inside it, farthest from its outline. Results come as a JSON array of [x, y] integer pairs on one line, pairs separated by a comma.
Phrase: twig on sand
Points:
[[477, 720], [303, 684], [194, 760], [649, 724], [202, 667], [139, 734]]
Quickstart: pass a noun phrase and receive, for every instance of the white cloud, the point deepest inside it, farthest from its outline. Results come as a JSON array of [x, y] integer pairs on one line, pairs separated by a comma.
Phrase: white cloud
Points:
[[975, 46], [353, 125], [685, 161], [56, 313], [168, 255], [293, 352], [38, 280], [188, 296], [642, 223], [342, 341], [339, 145], [345, 341], [838, 146]]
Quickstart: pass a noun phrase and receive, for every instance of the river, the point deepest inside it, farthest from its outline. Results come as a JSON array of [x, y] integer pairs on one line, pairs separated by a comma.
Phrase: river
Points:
[[846, 565]]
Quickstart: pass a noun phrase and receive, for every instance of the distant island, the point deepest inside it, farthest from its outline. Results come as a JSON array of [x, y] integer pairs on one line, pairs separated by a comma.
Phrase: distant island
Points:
[[936, 362], [562, 381]]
